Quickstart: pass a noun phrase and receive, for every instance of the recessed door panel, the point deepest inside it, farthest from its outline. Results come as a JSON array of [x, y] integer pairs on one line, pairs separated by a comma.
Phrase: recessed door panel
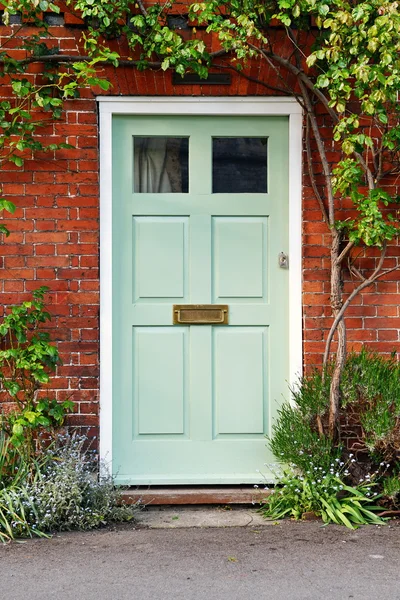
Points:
[[160, 380], [160, 254], [240, 387], [239, 258]]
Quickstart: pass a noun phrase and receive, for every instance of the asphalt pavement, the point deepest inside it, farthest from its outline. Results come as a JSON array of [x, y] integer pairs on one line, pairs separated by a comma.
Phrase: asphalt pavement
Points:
[[236, 560]]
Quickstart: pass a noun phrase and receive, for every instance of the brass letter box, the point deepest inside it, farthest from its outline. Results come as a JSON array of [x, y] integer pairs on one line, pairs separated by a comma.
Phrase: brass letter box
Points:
[[200, 314]]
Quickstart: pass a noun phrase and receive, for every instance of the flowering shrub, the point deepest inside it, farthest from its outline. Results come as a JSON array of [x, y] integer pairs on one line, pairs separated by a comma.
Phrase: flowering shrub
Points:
[[325, 494], [370, 414], [64, 493], [69, 494]]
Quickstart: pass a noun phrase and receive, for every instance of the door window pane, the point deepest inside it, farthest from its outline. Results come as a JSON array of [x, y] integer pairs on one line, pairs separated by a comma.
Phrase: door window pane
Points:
[[239, 165], [161, 164]]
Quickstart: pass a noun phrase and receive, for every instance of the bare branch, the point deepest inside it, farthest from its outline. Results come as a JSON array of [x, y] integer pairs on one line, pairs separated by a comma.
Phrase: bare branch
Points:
[[345, 252], [311, 173], [253, 79], [354, 271], [386, 272], [375, 275], [142, 8], [305, 79], [68, 58], [278, 73], [367, 170], [296, 70], [322, 153]]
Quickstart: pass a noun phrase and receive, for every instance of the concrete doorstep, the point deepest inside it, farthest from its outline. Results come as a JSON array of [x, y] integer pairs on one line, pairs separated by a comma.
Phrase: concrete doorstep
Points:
[[176, 517]]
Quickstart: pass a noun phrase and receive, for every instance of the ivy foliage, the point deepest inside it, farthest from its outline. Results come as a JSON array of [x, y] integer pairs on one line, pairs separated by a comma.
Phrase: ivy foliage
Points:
[[27, 359], [34, 102]]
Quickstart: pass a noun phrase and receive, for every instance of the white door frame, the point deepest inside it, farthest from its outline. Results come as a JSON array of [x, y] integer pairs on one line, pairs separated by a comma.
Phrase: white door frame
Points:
[[218, 106]]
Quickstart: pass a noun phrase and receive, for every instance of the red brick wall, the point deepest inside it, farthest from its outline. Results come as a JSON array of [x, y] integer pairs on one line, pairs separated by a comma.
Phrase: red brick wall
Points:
[[55, 234]]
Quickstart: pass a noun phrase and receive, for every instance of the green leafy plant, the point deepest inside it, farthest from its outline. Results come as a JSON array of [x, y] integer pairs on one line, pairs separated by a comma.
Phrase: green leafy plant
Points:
[[15, 503], [69, 494], [391, 490], [59, 490], [15, 506], [370, 413], [43, 414], [371, 400], [324, 494], [26, 363], [295, 433], [9, 465], [318, 480]]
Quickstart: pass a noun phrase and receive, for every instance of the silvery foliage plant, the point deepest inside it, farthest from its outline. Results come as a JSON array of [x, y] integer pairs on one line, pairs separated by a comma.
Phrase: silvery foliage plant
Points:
[[68, 493]]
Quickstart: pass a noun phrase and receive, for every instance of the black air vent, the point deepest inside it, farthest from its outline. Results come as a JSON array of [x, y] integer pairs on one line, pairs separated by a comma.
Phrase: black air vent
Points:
[[194, 79], [54, 19]]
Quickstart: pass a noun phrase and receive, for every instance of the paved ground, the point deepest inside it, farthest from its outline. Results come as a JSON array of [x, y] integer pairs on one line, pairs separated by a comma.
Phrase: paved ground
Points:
[[287, 561]]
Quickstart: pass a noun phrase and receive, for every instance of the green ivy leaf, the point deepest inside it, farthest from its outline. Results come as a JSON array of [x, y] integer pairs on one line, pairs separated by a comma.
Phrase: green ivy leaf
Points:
[[7, 205]]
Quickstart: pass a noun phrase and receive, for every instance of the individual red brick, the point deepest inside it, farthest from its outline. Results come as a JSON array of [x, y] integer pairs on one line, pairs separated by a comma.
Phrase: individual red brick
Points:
[[47, 261]]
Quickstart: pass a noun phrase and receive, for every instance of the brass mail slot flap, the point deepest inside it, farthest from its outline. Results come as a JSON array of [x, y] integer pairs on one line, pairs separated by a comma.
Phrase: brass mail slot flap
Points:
[[200, 314]]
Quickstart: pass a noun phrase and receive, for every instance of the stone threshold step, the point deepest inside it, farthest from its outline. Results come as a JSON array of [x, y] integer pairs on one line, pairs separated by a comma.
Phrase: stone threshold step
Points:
[[175, 495]]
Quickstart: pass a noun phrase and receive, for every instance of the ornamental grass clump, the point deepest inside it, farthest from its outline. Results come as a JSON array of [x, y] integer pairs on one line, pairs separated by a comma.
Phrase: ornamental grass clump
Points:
[[323, 494]]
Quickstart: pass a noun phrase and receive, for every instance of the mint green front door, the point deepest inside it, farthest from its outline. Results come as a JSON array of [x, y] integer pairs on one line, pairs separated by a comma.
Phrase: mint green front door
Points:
[[200, 216]]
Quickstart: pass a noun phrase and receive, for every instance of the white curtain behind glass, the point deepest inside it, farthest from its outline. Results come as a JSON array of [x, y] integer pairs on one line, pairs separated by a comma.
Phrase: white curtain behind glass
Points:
[[157, 165]]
